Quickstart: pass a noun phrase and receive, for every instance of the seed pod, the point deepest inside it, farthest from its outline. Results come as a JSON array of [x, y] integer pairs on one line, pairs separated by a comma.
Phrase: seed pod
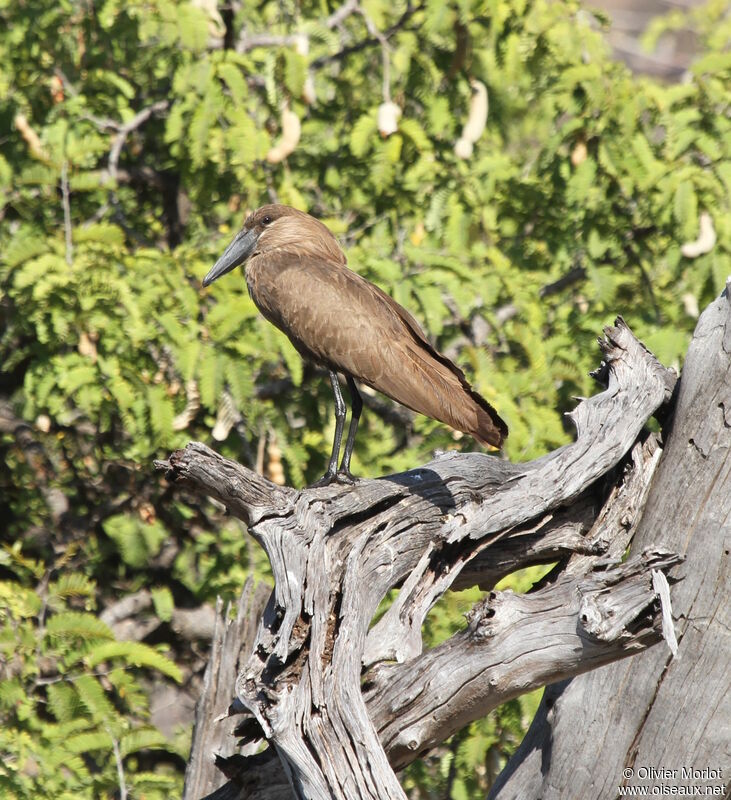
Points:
[[463, 148], [302, 44], [309, 95], [87, 346], [275, 469], [579, 153], [228, 416], [186, 416], [291, 130], [388, 116], [31, 137], [706, 238], [476, 120]]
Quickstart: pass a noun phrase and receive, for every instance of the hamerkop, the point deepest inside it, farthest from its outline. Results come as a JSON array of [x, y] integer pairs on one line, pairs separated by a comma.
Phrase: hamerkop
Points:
[[297, 277]]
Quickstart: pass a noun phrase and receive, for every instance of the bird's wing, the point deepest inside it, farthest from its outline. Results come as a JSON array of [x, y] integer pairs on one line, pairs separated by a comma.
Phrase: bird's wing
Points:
[[339, 319]]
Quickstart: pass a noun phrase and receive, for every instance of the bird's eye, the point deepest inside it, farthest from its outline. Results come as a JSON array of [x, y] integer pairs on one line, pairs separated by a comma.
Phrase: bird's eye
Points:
[[266, 220]]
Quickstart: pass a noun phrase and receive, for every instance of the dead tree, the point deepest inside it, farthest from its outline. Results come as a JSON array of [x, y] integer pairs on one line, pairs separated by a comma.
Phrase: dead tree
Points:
[[344, 705]]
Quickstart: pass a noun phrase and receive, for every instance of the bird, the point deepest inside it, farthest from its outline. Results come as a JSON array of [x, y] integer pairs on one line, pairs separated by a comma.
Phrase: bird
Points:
[[297, 276]]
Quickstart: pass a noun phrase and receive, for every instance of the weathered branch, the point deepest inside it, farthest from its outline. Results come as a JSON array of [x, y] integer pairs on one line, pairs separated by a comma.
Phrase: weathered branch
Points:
[[232, 640], [336, 551], [190, 624], [562, 630]]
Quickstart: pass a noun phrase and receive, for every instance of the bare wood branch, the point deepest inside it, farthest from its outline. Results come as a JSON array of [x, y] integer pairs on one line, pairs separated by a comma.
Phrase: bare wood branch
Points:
[[336, 551], [232, 641], [562, 630]]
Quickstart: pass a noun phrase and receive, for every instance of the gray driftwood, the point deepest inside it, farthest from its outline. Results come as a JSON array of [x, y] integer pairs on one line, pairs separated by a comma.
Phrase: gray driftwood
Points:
[[343, 704]]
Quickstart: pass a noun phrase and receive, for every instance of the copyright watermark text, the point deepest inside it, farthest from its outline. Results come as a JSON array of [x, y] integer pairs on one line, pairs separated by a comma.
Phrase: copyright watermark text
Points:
[[644, 781]]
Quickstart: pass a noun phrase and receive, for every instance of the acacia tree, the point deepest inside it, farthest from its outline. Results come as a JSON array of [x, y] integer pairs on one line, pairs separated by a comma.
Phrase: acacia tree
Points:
[[343, 703]]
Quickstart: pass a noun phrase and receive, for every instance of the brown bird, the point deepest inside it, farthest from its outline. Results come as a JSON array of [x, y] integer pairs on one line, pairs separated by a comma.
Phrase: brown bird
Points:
[[298, 279]]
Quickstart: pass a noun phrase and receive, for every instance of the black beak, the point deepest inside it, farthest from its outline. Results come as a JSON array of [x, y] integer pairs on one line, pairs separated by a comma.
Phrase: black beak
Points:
[[235, 254]]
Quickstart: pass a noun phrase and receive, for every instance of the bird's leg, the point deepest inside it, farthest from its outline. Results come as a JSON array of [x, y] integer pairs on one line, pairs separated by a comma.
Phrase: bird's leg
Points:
[[356, 403], [332, 468]]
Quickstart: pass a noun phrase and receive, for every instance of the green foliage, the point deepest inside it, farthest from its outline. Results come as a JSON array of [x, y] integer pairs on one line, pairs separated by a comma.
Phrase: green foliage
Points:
[[111, 354], [466, 765], [72, 705]]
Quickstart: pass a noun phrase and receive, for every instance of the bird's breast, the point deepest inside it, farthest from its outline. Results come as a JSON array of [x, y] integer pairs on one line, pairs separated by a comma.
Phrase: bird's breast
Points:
[[281, 290]]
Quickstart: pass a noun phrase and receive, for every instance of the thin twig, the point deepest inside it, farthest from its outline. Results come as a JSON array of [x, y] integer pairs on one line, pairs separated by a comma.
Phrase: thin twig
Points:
[[120, 767], [248, 42], [125, 130], [385, 53], [365, 43], [66, 211], [338, 17]]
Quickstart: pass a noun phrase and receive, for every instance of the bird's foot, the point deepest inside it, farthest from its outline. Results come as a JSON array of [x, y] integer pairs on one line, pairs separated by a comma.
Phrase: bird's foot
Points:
[[342, 476], [328, 478], [346, 477]]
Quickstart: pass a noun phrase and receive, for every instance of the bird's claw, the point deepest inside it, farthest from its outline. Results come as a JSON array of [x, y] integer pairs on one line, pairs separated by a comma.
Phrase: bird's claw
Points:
[[346, 477], [342, 476]]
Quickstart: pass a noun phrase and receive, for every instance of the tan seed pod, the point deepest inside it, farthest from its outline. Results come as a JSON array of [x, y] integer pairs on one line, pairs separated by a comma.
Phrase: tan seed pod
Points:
[[476, 120], [187, 415], [579, 153], [275, 469], [228, 416], [291, 130], [706, 238], [463, 148], [690, 303], [87, 347], [31, 138], [302, 44], [309, 94], [388, 116]]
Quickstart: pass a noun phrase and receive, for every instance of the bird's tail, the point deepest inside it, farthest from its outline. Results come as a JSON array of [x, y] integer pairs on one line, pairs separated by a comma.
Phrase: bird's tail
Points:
[[445, 394]]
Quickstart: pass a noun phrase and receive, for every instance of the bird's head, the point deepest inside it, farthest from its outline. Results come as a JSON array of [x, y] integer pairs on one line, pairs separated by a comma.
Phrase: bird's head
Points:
[[273, 227]]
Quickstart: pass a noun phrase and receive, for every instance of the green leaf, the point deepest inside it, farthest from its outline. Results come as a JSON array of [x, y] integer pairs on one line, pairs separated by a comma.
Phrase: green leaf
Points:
[[162, 599], [77, 625], [142, 739], [95, 700], [135, 654], [25, 245], [84, 743], [685, 210], [363, 135]]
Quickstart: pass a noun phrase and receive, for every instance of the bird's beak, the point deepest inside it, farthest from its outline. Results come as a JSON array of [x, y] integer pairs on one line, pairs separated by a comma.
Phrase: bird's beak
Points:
[[236, 253]]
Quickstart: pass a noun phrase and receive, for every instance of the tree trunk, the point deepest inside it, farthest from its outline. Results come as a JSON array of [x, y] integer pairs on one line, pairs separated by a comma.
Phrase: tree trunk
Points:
[[337, 731], [659, 721]]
